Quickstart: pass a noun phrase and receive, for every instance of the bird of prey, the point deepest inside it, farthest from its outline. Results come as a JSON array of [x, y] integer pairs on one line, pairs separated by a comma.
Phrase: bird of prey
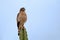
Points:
[[21, 19]]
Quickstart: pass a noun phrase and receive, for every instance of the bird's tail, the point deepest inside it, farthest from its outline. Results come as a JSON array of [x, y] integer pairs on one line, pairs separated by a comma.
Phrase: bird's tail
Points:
[[18, 23]]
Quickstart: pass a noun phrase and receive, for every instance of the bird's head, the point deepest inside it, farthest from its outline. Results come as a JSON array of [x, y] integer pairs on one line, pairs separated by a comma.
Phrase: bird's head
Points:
[[22, 9]]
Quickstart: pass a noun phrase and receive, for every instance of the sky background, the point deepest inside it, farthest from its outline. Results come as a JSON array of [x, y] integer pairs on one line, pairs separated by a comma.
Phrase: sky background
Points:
[[43, 21]]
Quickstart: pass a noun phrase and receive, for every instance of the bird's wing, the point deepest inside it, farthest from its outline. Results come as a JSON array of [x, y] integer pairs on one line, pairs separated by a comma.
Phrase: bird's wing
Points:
[[17, 17], [17, 20]]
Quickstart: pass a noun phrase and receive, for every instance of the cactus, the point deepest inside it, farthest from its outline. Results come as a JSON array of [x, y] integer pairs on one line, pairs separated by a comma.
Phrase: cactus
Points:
[[23, 34]]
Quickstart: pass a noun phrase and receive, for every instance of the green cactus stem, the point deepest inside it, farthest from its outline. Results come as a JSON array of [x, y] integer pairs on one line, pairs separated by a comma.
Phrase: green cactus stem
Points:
[[23, 34]]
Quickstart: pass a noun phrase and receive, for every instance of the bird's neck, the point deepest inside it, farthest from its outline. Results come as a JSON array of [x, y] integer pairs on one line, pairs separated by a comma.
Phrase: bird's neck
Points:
[[22, 12]]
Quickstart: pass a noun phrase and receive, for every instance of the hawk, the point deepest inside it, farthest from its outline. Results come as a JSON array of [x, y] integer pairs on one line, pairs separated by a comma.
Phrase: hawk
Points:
[[21, 19]]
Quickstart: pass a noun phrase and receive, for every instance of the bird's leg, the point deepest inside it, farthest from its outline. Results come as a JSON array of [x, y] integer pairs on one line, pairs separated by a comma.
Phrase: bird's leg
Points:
[[23, 26]]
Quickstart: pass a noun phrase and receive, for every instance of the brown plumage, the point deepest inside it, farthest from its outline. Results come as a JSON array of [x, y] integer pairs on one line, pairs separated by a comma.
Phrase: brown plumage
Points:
[[21, 19]]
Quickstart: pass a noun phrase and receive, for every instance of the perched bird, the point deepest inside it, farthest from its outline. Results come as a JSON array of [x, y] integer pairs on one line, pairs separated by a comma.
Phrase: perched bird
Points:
[[21, 19]]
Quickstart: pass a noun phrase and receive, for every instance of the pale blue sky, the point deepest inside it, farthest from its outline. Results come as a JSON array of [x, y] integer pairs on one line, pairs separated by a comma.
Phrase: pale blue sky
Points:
[[43, 21]]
